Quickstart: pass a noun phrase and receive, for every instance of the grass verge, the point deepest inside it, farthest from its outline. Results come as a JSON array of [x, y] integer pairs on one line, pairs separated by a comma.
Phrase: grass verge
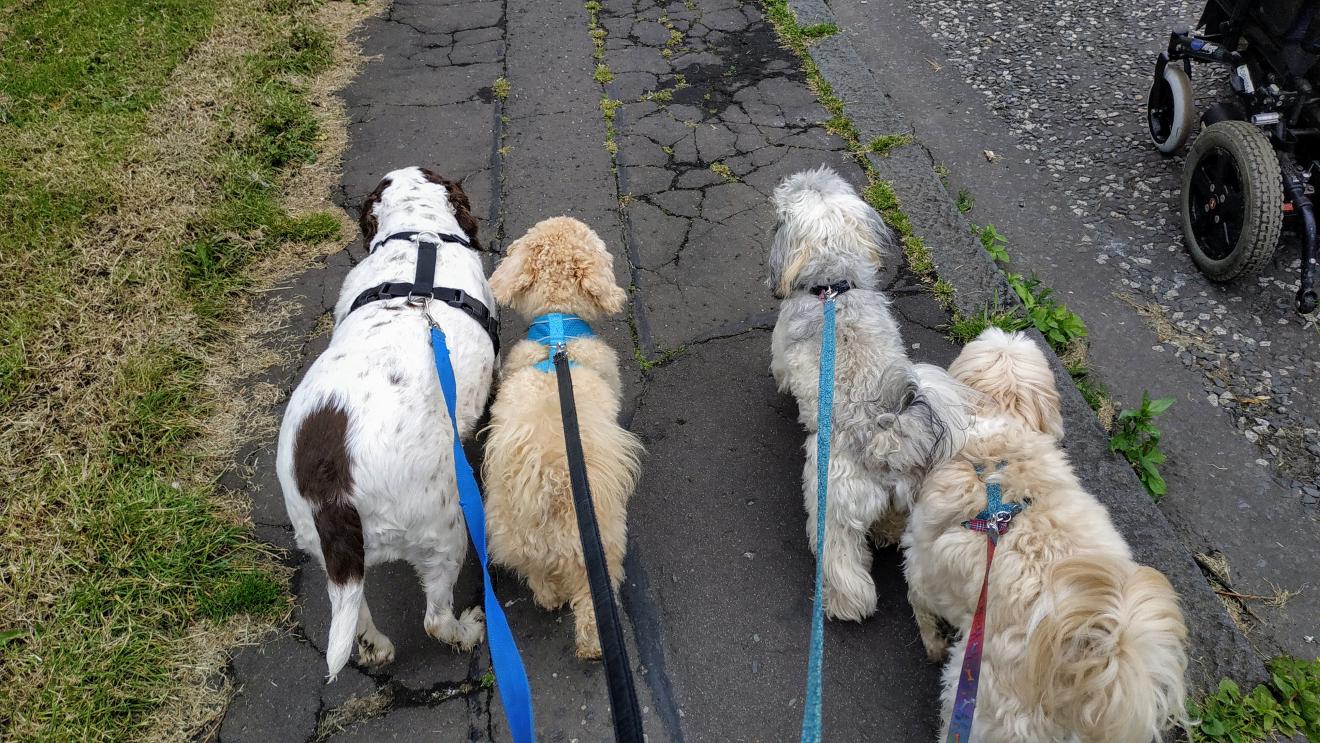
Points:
[[161, 162]]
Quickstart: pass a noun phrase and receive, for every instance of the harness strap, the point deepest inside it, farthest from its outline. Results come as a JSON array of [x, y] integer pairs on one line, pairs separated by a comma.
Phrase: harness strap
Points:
[[993, 522], [423, 286], [811, 717], [510, 676], [556, 329], [444, 237], [618, 671]]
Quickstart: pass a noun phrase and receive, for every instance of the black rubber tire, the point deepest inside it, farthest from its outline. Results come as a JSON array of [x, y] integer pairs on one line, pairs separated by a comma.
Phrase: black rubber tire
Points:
[[1177, 92], [1261, 187]]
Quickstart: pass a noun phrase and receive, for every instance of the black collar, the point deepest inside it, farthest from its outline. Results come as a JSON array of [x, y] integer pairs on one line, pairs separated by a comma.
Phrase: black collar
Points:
[[444, 237], [823, 291], [423, 286]]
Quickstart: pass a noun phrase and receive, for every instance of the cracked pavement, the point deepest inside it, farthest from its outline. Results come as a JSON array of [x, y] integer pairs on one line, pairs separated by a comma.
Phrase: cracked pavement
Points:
[[711, 114]]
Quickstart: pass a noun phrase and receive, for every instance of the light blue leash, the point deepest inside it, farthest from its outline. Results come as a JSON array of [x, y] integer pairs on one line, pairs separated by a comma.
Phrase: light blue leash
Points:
[[510, 676], [811, 719]]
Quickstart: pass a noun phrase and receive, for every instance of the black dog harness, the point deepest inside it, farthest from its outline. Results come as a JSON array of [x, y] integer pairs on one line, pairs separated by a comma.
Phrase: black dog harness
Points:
[[422, 287]]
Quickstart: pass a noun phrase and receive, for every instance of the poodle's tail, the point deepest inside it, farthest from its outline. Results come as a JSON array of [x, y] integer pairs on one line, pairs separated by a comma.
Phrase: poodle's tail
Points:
[[1105, 651]]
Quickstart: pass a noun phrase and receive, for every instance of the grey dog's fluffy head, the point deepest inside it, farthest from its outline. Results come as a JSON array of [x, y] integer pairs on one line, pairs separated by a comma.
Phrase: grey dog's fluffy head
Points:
[[826, 233]]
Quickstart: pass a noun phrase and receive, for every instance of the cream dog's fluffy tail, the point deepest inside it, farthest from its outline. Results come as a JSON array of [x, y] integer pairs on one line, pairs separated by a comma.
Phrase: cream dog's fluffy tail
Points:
[[1105, 650]]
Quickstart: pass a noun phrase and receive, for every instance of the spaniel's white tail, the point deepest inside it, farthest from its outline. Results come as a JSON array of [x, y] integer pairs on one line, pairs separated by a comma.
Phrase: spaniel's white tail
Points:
[[345, 603]]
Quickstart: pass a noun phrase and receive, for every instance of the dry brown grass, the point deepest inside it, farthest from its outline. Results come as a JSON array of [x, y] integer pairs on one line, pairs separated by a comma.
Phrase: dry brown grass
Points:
[[109, 301]]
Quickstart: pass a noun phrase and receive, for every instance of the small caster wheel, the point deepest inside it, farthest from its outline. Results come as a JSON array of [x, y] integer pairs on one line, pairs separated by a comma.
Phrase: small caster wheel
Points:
[[1306, 302], [1170, 113]]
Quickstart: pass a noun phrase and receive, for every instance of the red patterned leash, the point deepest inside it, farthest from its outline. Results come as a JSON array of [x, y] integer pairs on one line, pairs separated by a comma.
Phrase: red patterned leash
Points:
[[993, 522]]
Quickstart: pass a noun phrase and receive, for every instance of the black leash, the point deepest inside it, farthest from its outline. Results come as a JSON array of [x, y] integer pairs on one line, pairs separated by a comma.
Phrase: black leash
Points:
[[618, 672], [423, 284]]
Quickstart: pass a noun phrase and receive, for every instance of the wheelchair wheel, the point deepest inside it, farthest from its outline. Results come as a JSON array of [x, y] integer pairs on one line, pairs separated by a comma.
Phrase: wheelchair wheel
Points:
[[1170, 113], [1232, 204]]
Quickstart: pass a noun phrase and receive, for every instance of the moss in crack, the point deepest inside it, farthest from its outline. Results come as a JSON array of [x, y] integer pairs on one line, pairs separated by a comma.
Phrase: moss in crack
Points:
[[887, 143], [724, 172], [501, 88], [664, 356]]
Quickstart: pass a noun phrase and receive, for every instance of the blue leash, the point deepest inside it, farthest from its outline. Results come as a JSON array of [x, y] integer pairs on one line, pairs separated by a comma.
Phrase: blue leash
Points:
[[511, 678], [811, 721]]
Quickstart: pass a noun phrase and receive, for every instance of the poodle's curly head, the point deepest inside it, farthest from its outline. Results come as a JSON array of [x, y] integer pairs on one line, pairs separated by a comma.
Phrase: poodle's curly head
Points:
[[560, 265]]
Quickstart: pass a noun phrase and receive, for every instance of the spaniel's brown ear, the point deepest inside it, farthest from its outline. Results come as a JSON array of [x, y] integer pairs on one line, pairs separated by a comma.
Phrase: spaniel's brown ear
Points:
[[458, 199], [367, 219]]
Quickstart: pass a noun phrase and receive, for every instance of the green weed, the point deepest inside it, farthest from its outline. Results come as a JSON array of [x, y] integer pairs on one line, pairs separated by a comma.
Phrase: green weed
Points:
[[1137, 438], [501, 88], [1287, 706], [603, 75], [993, 242], [965, 202]]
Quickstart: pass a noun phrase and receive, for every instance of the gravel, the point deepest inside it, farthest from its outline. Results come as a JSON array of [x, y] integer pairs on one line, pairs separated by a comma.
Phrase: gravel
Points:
[[1072, 85]]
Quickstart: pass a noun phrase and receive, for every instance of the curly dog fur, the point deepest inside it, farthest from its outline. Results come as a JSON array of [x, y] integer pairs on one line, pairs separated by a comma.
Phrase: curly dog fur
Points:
[[560, 265]]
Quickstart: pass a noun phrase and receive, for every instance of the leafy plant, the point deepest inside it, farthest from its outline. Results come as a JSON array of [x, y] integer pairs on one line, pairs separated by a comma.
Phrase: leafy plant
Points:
[[965, 203], [991, 239], [1288, 705], [1137, 438], [1055, 321]]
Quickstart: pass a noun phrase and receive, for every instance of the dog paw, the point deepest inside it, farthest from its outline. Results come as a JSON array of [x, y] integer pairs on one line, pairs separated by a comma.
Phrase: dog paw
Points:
[[852, 605], [546, 599], [375, 649], [588, 642], [462, 633], [937, 652]]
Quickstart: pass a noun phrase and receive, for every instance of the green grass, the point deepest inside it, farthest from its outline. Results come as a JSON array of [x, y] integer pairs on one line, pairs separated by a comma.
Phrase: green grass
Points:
[[664, 356], [114, 541], [819, 30], [883, 145], [1286, 706], [603, 75], [1137, 438], [964, 329]]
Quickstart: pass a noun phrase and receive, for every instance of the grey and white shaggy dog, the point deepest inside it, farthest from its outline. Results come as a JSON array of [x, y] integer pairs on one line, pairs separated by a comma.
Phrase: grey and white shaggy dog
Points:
[[893, 419]]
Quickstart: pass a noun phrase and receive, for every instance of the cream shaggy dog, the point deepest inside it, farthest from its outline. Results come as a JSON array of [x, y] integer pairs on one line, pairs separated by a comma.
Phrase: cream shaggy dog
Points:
[[1082, 644], [560, 265], [365, 455], [893, 419]]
